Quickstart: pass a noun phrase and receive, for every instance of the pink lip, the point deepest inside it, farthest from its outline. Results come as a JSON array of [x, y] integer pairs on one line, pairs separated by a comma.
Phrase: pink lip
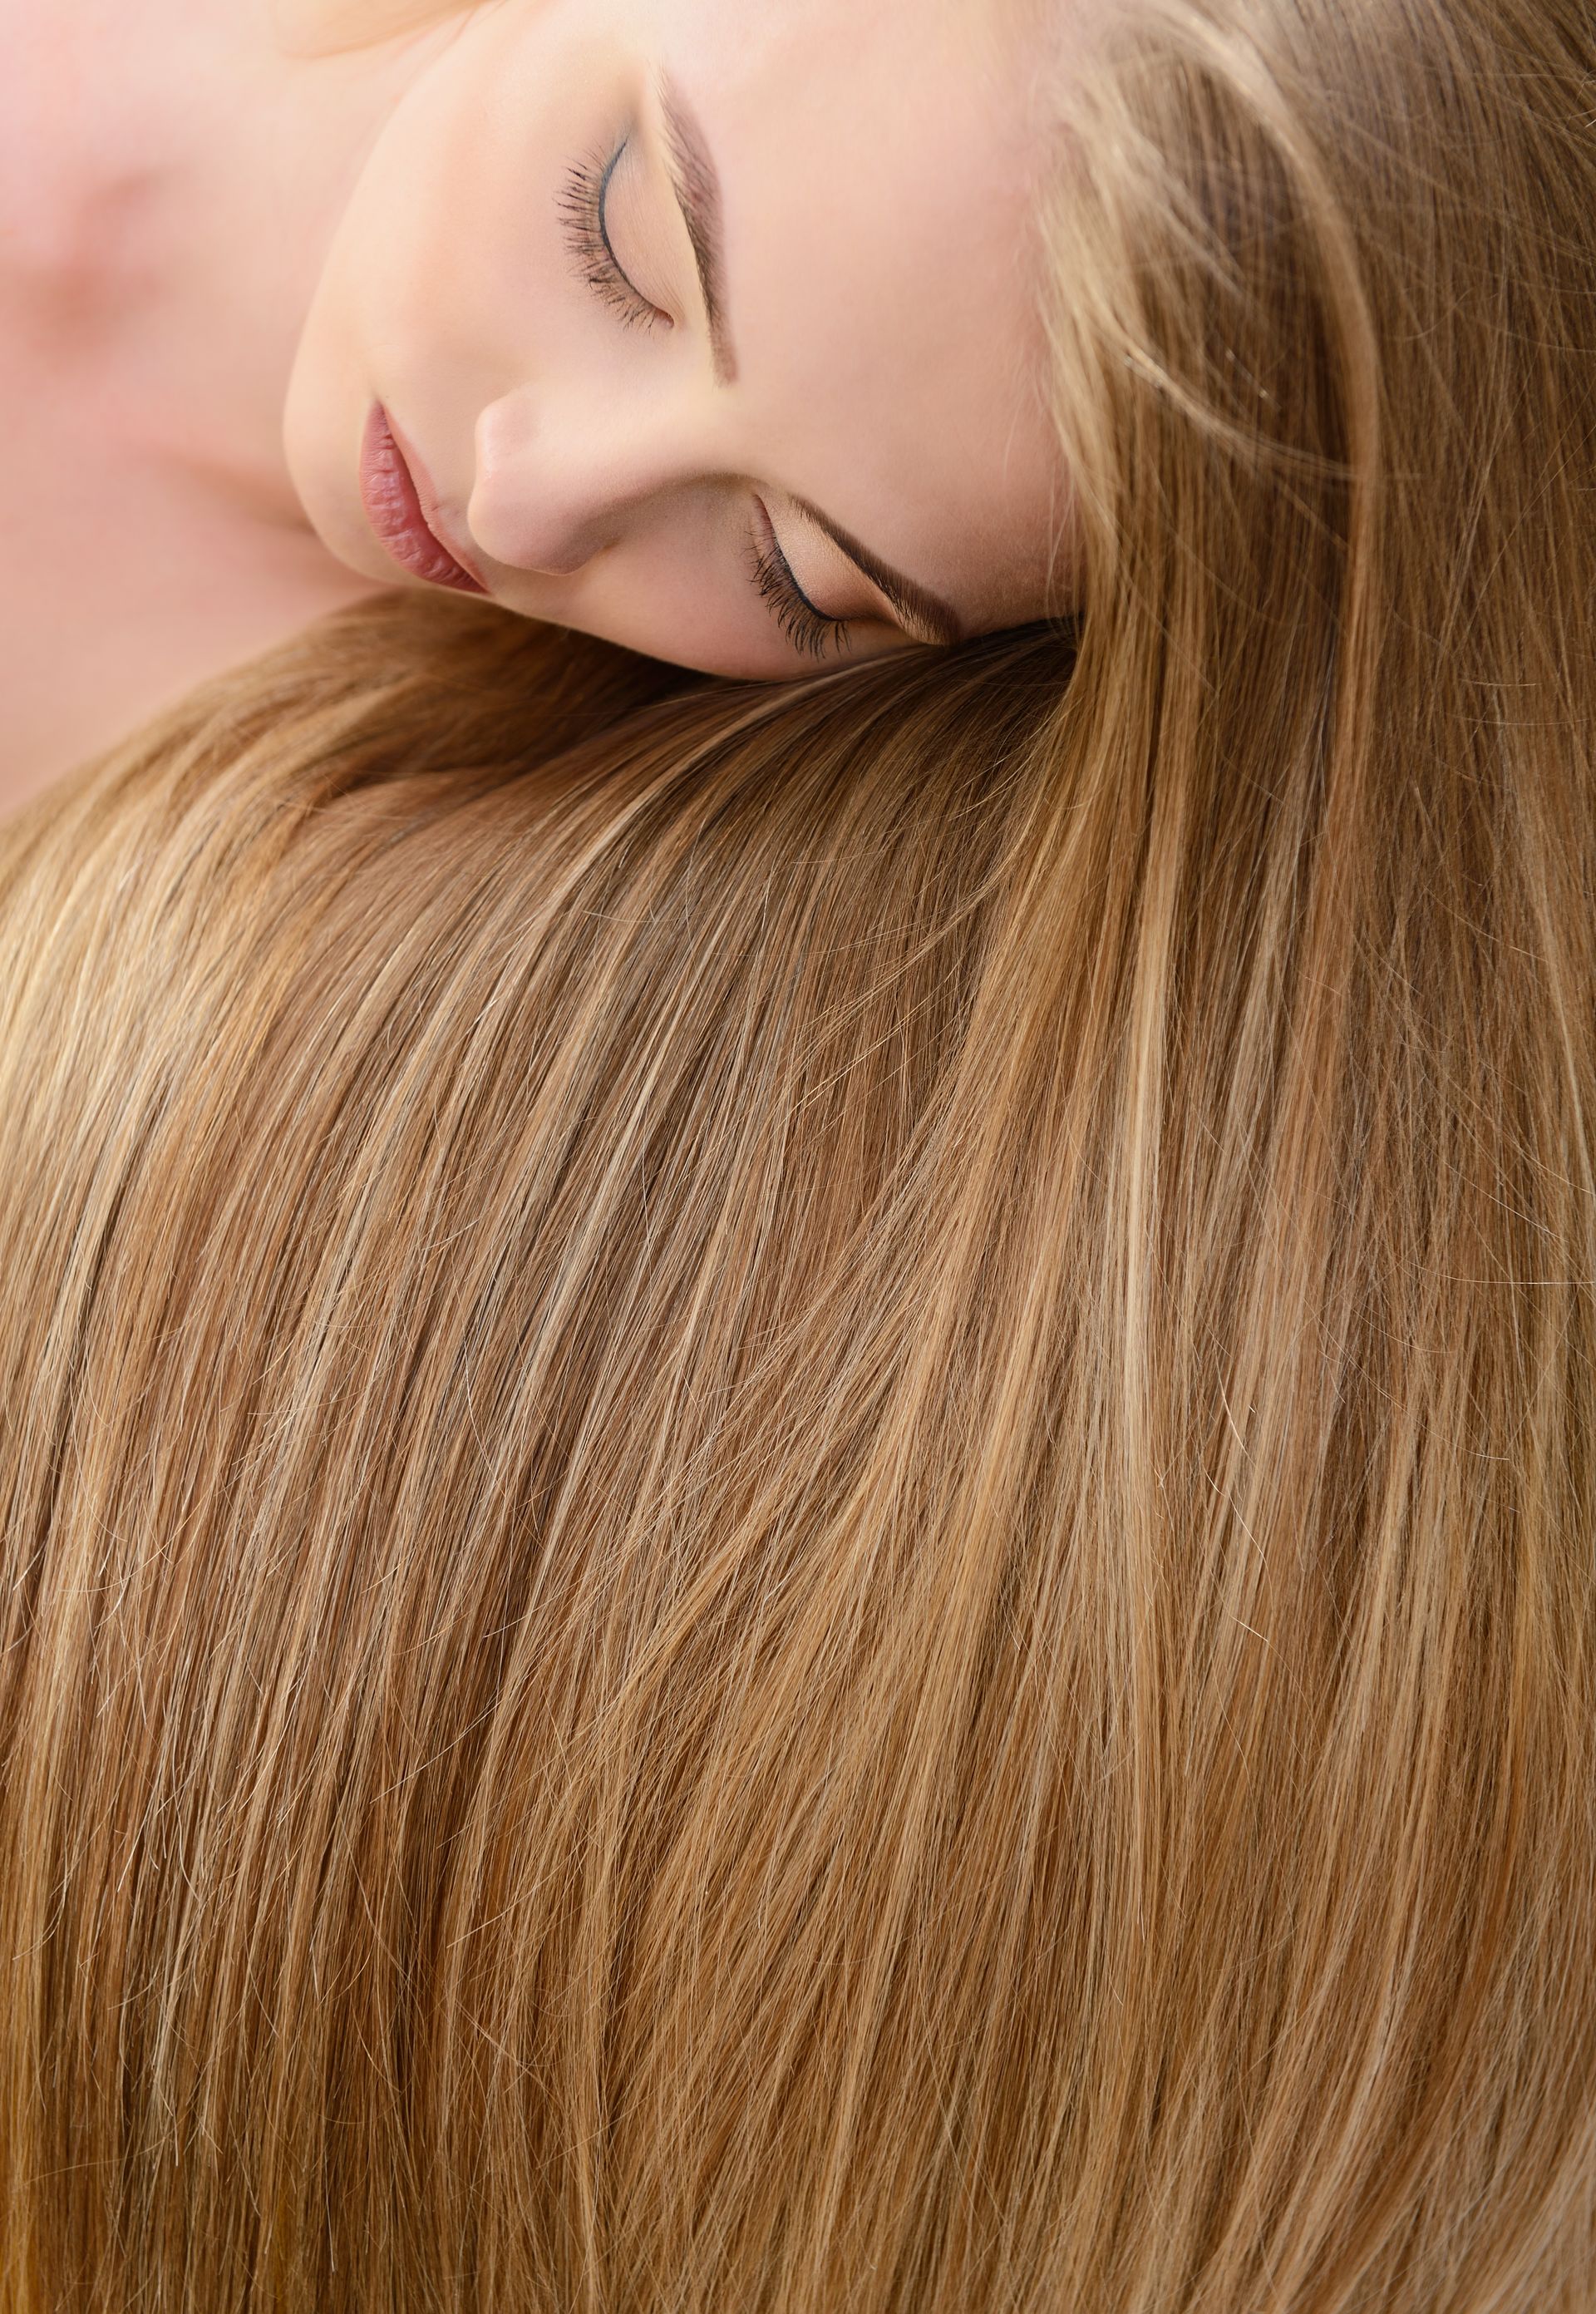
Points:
[[402, 507]]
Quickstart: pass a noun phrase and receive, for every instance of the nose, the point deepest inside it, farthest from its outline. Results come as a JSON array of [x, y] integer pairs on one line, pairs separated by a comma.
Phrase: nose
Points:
[[556, 485]]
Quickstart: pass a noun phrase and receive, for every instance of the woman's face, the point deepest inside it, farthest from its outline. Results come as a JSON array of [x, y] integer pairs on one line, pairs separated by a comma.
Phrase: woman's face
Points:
[[709, 326]]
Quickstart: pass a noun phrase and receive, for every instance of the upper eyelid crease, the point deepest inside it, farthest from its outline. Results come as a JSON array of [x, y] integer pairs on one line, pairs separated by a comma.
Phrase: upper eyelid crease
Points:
[[602, 207], [795, 582]]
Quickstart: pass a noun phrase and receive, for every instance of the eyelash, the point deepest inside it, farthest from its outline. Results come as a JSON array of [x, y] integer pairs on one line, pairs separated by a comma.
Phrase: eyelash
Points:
[[806, 629], [582, 210], [582, 214]]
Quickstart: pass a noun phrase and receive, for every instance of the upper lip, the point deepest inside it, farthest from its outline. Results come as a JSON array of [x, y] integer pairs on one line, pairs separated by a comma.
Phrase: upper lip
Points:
[[437, 521]]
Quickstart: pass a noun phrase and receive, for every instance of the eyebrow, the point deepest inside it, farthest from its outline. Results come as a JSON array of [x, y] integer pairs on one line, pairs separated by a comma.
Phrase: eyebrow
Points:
[[926, 615], [696, 183]]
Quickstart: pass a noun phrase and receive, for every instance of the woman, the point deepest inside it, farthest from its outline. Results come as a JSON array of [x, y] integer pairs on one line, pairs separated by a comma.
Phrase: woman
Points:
[[798, 1479], [713, 329]]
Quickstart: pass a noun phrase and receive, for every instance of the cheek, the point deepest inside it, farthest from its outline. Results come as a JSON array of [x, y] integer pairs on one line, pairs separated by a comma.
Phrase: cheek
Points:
[[448, 248], [389, 305], [667, 615], [416, 252]]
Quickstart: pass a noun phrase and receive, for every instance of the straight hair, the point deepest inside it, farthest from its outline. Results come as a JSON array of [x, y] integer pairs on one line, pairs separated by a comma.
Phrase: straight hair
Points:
[[796, 1484]]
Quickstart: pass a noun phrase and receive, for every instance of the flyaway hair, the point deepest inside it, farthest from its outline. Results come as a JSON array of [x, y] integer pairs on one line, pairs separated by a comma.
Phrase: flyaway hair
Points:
[[798, 1485]]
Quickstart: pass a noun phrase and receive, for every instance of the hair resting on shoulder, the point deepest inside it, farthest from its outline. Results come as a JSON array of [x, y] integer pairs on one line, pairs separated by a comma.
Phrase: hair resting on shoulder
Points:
[[798, 1483]]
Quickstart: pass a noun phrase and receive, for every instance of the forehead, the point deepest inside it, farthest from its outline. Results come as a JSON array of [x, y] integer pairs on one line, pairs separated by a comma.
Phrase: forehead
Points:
[[877, 168]]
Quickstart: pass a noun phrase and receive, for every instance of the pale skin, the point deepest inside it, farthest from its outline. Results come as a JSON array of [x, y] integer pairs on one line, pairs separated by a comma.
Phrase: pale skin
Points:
[[713, 329]]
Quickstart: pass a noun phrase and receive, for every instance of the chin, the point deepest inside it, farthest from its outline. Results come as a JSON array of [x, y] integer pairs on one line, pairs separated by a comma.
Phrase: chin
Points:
[[332, 509], [321, 453]]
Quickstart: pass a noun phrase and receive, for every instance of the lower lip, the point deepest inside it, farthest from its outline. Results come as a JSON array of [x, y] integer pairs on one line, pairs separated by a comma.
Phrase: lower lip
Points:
[[392, 508]]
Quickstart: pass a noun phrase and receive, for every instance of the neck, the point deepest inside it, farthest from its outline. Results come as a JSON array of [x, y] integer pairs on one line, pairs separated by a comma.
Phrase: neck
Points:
[[197, 206]]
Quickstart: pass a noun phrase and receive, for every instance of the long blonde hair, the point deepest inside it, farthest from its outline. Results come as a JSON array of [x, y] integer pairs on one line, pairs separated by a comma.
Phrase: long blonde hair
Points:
[[798, 1485]]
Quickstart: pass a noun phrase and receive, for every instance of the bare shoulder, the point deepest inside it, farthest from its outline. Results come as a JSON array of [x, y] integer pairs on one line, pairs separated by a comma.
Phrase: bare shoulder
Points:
[[92, 97], [129, 571], [124, 582], [67, 151]]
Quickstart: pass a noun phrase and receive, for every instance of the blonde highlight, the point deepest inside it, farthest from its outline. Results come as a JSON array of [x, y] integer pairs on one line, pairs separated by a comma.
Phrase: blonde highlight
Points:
[[798, 1483]]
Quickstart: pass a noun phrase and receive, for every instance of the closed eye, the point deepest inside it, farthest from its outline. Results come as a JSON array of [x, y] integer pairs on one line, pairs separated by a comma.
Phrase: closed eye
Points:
[[807, 630], [584, 208]]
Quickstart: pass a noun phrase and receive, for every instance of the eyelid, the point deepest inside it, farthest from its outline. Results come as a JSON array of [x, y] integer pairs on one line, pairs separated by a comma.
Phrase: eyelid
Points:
[[584, 210], [882, 611], [809, 630], [772, 538], [603, 208]]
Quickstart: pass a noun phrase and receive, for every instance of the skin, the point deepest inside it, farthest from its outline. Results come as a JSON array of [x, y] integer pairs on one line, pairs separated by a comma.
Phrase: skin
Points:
[[218, 253], [168, 186]]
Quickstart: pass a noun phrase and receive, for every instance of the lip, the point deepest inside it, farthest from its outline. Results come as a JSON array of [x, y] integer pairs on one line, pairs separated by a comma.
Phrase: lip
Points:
[[402, 509]]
